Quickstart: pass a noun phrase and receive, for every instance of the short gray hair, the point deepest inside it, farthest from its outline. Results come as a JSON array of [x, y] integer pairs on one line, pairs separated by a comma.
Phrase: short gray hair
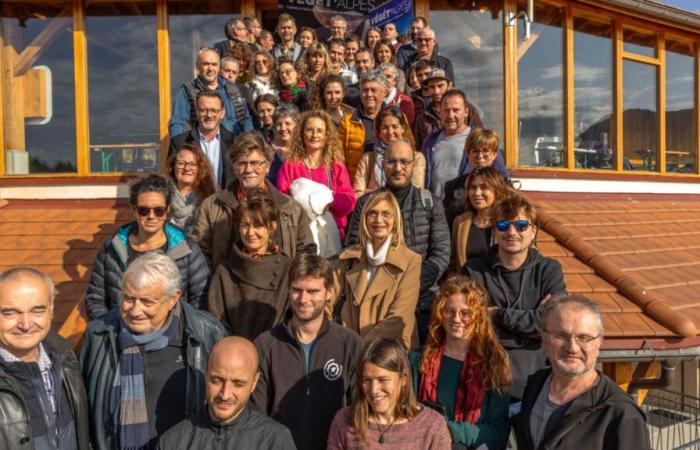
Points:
[[374, 75], [387, 65], [154, 267], [226, 59], [578, 301], [23, 273]]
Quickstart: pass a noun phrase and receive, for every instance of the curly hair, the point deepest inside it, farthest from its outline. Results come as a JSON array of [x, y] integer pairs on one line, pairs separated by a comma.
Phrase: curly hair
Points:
[[315, 49], [272, 69], [494, 180], [243, 54], [495, 368], [151, 183], [203, 184], [331, 149], [309, 30]]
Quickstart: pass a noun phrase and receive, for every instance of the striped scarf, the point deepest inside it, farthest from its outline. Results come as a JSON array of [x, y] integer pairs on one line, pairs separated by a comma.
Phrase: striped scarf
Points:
[[128, 396]]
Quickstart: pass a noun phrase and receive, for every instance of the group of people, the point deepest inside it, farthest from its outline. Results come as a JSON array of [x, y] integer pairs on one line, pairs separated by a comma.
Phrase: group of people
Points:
[[334, 258]]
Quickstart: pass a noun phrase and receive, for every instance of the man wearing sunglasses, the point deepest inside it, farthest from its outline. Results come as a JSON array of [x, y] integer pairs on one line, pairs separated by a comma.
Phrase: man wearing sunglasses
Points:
[[519, 281]]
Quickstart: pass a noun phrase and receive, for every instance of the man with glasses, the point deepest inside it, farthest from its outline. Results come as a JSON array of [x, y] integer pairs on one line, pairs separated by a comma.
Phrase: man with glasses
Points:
[[236, 31], [407, 51], [237, 113], [519, 281], [214, 231], [208, 135], [425, 49], [424, 225], [571, 404]]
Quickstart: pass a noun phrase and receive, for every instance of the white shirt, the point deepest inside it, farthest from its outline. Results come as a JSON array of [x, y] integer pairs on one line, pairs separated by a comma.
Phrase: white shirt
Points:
[[213, 151]]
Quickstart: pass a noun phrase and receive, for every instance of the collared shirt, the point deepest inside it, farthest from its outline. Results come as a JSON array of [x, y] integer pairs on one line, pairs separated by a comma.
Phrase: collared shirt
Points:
[[213, 151], [44, 362]]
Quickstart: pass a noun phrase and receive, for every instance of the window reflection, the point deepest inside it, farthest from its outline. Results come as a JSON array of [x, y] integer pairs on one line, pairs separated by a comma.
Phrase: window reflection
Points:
[[540, 91], [39, 91], [593, 97], [476, 52], [639, 41], [640, 134], [681, 148], [123, 87]]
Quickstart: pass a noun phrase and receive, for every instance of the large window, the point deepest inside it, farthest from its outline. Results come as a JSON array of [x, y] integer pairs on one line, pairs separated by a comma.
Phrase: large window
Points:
[[681, 145], [123, 86], [640, 136], [473, 40], [38, 88]]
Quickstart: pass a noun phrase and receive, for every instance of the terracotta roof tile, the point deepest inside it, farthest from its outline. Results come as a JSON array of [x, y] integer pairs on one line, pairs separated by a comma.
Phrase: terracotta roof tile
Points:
[[575, 283]]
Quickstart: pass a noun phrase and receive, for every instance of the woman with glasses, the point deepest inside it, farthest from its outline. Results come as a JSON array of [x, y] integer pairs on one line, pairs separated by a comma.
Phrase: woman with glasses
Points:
[[293, 89], [151, 199], [248, 292], [472, 232], [384, 413], [263, 79], [378, 280], [390, 126], [316, 156], [463, 371], [190, 173]]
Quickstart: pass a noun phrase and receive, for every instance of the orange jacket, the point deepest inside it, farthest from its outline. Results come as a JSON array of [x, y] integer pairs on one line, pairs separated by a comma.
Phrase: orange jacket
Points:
[[351, 133]]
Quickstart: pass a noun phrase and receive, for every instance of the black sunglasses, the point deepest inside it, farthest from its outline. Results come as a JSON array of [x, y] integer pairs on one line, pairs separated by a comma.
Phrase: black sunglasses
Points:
[[143, 211], [520, 225]]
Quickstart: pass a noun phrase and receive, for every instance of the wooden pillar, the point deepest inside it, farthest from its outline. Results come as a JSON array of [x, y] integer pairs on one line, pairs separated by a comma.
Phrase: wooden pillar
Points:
[[13, 88], [248, 8], [163, 78], [624, 373]]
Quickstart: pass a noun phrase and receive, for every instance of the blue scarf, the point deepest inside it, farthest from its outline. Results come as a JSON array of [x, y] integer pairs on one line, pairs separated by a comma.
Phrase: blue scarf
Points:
[[128, 396]]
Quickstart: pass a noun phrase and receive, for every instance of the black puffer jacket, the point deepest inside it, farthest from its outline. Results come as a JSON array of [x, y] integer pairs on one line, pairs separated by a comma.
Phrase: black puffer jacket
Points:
[[251, 430], [603, 418], [425, 232], [15, 431], [104, 286]]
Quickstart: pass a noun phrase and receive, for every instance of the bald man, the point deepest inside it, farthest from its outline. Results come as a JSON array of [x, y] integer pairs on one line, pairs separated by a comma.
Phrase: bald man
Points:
[[232, 374]]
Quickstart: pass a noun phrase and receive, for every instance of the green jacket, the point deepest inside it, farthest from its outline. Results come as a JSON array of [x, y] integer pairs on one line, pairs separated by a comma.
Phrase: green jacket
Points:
[[492, 427]]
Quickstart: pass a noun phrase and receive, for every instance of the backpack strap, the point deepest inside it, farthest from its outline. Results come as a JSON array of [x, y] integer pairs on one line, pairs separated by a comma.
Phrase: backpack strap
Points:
[[238, 101], [426, 199]]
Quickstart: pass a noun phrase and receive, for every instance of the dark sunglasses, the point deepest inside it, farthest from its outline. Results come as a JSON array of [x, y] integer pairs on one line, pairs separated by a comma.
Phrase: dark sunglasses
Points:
[[143, 211], [520, 225]]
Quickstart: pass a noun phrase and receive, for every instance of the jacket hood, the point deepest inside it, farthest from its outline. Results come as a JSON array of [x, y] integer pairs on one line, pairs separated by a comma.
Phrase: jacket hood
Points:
[[177, 241], [533, 257]]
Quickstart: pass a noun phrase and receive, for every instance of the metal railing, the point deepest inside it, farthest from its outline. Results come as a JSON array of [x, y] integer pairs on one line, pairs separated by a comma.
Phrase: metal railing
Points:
[[673, 420]]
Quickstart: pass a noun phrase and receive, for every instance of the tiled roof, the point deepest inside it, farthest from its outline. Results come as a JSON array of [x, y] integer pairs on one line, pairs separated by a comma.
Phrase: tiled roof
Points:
[[639, 260], [59, 238]]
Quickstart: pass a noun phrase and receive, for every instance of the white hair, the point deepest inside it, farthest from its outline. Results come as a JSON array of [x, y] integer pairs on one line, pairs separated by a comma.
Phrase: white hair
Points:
[[154, 268]]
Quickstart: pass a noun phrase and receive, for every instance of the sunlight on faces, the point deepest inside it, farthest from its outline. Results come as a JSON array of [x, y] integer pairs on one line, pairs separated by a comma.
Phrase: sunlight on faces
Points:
[[314, 134], [230, 70], [286, 30], [150, 223], [306, 38], [425, 43], [456, 317], [351, 48], [481, 157], [308, 298], [381, 388], [26, 312], [437, 88], [372, 95], [338, 28], [383, 53], [210, 113], [208, 65], [262, 66], [481, 194], [453, 114], [186, 167], [333, 95], [288, 74], [380, 221], [415, 28], [316, 62], [570, 358], [251, 170], [397, 174], [390, 75], [390, 130], [145, 309], [364, 61], [513, 241], [265, 112], [284, 129], [337, 55], [390, 31], [255, 235], [373, 36]]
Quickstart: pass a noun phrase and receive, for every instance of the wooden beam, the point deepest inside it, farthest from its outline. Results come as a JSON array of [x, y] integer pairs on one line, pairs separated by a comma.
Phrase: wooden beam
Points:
[[641, 58], [510, 88], [696, 49], [621, 373], [247, 7], [82, 119], [618, 99], [569, 127], [13, 99], [41, 42], [661, 103], [421, 8], [648, 369], [524, 46], [163, 77], [2, 105]]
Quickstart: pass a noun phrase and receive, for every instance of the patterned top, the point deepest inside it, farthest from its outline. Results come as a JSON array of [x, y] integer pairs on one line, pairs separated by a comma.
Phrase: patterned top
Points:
[[45, 364]]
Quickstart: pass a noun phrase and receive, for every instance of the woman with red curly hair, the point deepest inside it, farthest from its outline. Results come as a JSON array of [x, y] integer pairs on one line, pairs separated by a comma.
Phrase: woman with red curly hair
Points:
[[463, 370]]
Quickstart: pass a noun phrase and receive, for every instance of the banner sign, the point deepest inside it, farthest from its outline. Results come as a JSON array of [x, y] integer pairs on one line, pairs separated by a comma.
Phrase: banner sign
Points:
[[360, 14]]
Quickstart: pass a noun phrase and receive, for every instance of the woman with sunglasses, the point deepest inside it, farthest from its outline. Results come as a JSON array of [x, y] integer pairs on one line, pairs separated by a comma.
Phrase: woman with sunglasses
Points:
[[472, 232], [151, 199], [378, 280], [390, 126], [384, 413], [263, 79], [248, 292], [463, 371], [190, 173]]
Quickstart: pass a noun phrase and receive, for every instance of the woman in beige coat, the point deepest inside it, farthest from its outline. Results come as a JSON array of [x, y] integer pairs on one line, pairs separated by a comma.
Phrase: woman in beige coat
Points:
[[378, 280]]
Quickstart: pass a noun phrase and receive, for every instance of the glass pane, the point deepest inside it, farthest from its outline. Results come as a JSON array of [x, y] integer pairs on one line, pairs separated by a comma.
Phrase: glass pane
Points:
[[39, 91], [123, 87], [681, 148], [640, 135], [639, 42], [540, 91], [473, 40], [193, 25], [593, 95]]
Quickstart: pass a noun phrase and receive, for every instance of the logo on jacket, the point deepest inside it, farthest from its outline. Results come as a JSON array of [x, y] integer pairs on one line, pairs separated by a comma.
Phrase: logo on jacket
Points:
[[332, 370]]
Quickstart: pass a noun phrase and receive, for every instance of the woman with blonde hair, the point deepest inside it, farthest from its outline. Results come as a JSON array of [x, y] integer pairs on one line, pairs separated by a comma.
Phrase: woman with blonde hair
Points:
[[262, 75], [316, 63], [378, 280], [384, 413], [463, 370], [316, 155]]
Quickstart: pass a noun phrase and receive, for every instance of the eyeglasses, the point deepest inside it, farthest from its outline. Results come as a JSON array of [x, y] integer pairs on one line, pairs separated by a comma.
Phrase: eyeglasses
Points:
[[424, 39], [396, 162], [520, 225], [180, 164], [287, 72], [450, 313], [253, 164], [559, 338], [481, 152], [158, 211], [208, 111], [386, 215]]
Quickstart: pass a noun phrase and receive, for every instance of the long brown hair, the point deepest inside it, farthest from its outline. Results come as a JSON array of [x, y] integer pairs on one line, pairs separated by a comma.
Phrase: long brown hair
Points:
[[495, 369], [203, 185], [315, 48], [401, 117], [331, 149], [389, 354], [494, 180]]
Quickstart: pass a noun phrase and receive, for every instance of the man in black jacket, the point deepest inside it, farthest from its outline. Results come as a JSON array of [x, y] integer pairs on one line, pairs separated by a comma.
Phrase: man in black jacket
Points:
[[43, 404], [519, 281], [228, 422], [307, 363], [572, 405], [424, 225]]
